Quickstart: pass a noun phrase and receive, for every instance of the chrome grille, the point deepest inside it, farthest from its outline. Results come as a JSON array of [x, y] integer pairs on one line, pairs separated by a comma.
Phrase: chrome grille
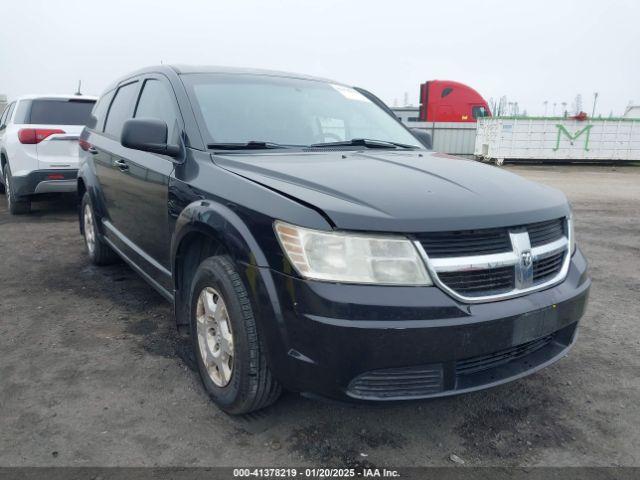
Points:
[[476, 265], [547, 267], [545, 232], [464, 243], [480, 282]]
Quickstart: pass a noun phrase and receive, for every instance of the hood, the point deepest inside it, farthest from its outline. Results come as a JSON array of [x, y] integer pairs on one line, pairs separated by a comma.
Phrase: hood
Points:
[[400, 191]]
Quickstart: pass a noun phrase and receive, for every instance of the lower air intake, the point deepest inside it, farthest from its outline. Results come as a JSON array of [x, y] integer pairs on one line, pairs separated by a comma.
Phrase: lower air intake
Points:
[[492, 360], [397, 383]]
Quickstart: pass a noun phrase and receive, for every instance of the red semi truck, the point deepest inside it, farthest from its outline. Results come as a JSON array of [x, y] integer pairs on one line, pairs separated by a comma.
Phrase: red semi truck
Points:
[[448, 101]]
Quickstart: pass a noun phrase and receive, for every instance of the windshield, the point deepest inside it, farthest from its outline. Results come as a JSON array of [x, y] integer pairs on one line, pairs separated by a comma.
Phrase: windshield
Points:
[[236, 109]]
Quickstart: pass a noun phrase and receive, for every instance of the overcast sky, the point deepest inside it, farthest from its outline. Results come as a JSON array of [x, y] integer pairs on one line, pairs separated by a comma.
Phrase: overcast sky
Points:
[[530, 51]]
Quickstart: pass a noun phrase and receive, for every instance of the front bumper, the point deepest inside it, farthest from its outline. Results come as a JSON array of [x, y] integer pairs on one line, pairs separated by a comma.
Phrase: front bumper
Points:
[[46, 181], [363, 342]]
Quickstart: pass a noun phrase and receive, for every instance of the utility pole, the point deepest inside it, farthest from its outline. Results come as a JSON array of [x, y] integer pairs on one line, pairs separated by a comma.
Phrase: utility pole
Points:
[[554, 108], [545, 103], [78, 92], [595, 99]]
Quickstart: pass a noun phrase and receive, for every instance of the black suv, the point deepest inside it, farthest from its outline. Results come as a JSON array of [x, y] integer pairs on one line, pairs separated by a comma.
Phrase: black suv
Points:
[[308, 240]]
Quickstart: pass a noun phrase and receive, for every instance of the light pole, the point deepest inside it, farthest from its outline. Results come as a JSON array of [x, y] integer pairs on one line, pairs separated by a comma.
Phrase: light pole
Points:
[[545, 103]]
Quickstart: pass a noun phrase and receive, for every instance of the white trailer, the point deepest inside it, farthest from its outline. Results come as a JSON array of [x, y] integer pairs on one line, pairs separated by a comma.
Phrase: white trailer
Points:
[[454, 138], [632, 111], [557, 139]]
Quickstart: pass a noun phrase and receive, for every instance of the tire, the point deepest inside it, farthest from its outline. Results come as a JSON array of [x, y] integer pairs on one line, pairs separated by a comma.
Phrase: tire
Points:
[[16, 206], [99, 252], [249, 385]]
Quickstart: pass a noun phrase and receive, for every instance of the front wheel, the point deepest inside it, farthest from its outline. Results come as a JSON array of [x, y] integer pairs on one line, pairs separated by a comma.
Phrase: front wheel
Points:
[[228, 350]]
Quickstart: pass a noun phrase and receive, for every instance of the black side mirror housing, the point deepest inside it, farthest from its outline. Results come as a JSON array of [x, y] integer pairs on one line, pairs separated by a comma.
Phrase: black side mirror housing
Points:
[[424, 137], [147, 135]]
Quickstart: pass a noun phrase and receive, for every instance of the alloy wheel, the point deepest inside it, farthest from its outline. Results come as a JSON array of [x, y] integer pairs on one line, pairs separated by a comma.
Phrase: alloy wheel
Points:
[[215, 337], [7, 189], [89, 229]]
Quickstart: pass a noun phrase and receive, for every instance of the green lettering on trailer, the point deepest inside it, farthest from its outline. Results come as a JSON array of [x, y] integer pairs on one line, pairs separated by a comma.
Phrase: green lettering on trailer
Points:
[[563, 130]]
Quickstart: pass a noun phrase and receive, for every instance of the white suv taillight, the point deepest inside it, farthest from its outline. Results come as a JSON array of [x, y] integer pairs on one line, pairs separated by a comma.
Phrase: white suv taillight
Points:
[[31, 136]]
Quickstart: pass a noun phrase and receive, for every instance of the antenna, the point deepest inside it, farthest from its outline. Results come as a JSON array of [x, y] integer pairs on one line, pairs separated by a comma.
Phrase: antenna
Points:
[[79, 87]]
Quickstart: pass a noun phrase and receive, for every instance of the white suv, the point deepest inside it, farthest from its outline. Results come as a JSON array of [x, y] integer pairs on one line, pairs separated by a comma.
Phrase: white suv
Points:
[[39, 146]]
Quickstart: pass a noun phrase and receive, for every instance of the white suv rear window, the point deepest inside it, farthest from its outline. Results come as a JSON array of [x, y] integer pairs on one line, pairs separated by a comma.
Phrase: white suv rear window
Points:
[[60, 112]]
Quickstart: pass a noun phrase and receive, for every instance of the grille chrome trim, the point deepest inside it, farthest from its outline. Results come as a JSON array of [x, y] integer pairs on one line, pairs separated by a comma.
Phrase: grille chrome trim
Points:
[[552, 248], [521, 247], [497, 260], [479, 262]]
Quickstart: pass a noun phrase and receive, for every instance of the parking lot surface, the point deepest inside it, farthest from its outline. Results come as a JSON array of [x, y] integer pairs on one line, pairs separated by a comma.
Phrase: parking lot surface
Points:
[[92, 372]]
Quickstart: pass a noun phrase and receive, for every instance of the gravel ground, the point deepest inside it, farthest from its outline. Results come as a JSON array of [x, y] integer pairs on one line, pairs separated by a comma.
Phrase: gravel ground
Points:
[[93, 374]]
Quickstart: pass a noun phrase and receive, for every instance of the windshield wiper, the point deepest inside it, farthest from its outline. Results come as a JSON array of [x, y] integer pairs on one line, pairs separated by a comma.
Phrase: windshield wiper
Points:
[[363, 142], [251, 145]]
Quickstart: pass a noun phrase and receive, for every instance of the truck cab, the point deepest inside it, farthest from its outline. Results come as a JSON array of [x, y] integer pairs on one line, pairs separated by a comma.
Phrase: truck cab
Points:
[[448, 101]]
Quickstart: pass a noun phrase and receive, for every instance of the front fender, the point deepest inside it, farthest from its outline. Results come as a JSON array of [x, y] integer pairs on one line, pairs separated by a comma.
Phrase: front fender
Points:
[[224, 225], [227, 228]]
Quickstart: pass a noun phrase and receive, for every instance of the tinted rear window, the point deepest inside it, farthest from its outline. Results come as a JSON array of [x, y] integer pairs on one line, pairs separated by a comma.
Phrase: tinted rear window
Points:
[[60, 112]]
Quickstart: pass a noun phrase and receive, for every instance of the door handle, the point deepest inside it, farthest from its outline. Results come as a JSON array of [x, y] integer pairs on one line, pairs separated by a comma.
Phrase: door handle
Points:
[[121, 164]]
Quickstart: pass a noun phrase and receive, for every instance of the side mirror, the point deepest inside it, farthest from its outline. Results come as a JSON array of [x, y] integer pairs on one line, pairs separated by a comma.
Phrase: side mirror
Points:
[[423, 136], [147, 135]]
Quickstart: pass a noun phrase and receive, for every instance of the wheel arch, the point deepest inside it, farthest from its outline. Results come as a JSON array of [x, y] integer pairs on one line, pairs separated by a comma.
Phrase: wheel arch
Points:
[[203, 229], [82, 188], [4, 159]]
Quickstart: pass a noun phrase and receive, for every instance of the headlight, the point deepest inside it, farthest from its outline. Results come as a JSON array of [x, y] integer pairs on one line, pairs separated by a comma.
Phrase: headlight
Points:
[[351, 257]]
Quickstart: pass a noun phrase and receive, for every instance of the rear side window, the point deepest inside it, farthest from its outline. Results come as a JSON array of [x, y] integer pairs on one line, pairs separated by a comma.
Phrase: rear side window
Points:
[[23, 110], [100, 110], [60, 111], [4, 116], [121, 109], [10, 112], [156, 101]]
